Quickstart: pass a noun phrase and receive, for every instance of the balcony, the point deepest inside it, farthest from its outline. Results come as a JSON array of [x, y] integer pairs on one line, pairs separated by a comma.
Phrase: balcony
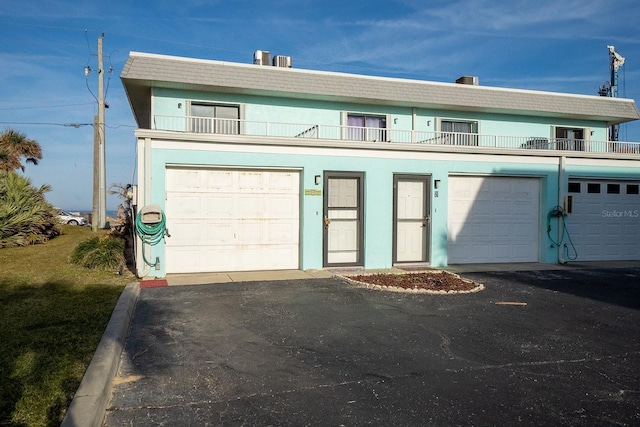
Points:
[[207, 125]]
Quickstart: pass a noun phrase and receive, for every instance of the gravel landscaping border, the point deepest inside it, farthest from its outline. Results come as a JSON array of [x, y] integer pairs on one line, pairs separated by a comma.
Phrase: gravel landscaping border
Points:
[[350, 278]]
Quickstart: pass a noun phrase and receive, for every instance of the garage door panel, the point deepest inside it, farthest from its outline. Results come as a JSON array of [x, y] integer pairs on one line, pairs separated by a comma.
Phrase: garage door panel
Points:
[[481, 230], [480, 207], [184, 180], [250, 206], [232, 220], [521, 231], [189, 260], [494, 219], [282, 232], [216, 180], [249, 232], [283, 205], [251, 181], [221, 233], [501, 207], [284, 182], [501, 231], [187, 205], [523, 208], [184, 232]]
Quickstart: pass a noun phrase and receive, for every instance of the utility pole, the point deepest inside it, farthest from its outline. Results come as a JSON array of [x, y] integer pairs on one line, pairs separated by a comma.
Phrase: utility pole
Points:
[[96, 174], [99, 215]]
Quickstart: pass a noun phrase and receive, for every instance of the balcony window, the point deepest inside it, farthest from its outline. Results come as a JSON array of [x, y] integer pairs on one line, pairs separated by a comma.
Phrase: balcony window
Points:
[[213, 118], [570, 138], [459, 132], [366, 128]]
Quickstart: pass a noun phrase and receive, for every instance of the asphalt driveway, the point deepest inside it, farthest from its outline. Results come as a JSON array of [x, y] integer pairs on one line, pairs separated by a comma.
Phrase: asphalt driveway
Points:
[[323, 352]]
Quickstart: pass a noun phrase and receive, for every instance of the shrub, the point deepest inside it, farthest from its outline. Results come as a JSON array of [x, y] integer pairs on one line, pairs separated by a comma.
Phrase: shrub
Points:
[[26, 218], [97, 253]]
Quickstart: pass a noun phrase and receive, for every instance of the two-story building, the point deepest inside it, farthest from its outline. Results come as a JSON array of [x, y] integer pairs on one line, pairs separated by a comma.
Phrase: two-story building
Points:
[[259, 167]]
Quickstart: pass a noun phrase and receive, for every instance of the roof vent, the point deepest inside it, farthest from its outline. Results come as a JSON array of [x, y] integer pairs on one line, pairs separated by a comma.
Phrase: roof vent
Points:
[[262, 57], [282, 61], [468, 80]]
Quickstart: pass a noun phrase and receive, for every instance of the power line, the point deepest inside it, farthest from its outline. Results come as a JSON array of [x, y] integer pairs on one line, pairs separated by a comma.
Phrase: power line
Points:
[[46, 106], [68, 125]]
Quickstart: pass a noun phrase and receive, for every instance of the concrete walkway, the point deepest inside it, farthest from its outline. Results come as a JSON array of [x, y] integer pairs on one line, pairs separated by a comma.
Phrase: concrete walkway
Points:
[[257, 276]]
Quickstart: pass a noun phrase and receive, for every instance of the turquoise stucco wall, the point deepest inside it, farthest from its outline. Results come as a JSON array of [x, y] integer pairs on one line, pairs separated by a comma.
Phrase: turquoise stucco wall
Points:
[[378, 197], [378, 170], [288, 110]]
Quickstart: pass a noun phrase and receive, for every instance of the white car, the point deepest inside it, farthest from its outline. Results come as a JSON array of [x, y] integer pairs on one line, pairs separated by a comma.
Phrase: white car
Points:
[[68, 218]]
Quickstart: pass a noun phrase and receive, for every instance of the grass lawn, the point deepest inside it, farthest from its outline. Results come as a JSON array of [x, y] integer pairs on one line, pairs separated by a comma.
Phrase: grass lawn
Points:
[[52, 315]]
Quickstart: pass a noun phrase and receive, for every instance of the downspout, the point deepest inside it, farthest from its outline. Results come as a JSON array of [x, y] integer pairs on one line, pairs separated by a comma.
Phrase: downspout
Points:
[[561, 186]]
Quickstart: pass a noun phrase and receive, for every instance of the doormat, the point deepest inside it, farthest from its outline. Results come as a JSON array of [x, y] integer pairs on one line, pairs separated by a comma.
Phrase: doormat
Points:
[[154, 283]]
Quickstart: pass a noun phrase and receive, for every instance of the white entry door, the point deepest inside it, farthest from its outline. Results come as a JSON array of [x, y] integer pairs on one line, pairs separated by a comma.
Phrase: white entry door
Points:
[[411, 219], [493, 219], [232, 220], [343, 219]]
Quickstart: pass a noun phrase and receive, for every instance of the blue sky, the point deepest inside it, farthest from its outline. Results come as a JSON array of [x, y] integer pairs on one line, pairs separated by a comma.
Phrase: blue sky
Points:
[[45, 45]]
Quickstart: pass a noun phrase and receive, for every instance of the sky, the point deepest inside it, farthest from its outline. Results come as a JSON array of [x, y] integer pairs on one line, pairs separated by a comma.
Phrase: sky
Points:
[[45, 45]]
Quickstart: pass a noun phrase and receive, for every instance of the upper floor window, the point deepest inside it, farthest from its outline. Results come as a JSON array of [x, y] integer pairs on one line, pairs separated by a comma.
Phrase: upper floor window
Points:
[[459, 132], [362, 127], [214, 118], [570, 138]]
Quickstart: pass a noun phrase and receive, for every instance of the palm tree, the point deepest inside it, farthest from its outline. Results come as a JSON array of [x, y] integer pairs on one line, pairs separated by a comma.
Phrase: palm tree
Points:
[[14, 146], [26, 218]]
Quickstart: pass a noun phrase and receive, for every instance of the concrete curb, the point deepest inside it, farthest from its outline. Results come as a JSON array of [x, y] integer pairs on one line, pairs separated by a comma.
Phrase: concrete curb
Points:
[[89, 402]]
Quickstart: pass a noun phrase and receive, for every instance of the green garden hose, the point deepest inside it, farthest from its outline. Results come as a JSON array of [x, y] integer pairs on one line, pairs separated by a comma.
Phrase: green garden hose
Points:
[[558, 212], [150, 234]]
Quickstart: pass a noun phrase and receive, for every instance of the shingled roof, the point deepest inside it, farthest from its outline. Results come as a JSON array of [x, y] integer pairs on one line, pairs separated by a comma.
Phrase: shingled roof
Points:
[[144, 71]]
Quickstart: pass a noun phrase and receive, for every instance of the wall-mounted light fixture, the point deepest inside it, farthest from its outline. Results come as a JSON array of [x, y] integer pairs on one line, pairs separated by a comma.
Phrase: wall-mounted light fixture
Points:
[[428, 122], [395, 121], [318, 179], [436, 184], [179, 105]]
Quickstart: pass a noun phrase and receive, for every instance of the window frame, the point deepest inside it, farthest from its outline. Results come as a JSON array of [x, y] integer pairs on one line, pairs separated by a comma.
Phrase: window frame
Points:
[[453, 137], [349, 131], [570, 144], [240, 126]]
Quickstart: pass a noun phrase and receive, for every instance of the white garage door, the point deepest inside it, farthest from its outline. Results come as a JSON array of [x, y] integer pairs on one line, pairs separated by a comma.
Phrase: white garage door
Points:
[[605, 223], [493, 219], [231, 220]]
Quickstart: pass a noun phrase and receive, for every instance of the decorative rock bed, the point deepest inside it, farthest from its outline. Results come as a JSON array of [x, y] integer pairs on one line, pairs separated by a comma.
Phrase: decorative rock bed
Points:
[[425, 282]]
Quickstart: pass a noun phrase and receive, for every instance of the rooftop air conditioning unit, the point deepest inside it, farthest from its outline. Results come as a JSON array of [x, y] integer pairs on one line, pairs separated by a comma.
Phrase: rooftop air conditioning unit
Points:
[[262, 57], [468, 80], [282, 61]]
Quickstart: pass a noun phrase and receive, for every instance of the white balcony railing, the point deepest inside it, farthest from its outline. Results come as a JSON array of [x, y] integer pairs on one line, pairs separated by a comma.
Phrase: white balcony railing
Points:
[[353, 133]]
